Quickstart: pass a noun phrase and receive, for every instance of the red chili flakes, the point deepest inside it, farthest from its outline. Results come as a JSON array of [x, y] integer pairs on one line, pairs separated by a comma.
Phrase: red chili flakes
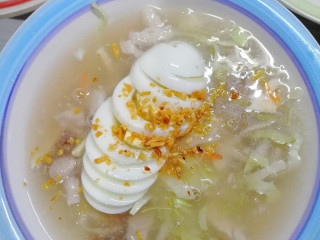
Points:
[[146, 168], [157, 151], [70, 141], [199, 149], [234, 95]]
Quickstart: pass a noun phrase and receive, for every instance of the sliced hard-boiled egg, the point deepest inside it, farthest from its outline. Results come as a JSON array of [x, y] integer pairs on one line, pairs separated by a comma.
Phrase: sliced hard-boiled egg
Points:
[[117, 185], [118, 167], [143, 83], [102, 207], [175, 65], [105, 197], [134, 171], [124, 110], [106, 140]]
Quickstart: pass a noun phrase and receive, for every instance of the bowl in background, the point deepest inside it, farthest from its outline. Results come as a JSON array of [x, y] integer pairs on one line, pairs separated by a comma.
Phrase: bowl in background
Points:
[[11, 8], [309, 9]]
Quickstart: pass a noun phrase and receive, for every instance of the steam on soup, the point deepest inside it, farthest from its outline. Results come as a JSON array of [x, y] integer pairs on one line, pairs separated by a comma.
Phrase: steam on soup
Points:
[[227, 163]]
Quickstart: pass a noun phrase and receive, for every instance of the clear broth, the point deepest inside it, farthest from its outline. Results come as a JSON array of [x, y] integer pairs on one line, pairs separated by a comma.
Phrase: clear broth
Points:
[[60, 95]]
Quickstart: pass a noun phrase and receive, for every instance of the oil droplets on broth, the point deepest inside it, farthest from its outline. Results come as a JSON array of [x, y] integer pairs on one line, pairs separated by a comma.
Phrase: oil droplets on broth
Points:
[[228, 163]]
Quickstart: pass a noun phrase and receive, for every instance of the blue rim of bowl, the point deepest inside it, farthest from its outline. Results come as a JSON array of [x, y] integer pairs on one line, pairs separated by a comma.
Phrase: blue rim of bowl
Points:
[[269, 14]]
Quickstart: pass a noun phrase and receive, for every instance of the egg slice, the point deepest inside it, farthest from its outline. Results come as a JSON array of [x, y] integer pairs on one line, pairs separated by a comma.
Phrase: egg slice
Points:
[[135, 123], [107, 197], [106, 120], [176, 65], [143, 83], [132, 172], [117, 185], [102, 207]]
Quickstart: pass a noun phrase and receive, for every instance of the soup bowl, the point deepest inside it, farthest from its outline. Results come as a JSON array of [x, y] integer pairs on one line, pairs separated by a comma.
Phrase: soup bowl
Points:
[[55, 32]]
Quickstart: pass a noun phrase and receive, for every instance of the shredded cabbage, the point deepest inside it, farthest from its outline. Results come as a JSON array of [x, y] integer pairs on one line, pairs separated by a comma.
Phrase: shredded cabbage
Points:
[[161, 209], [179, 188], [197, 177], [139, 204], [264, 116], [202, 219], [257, 126], [294, 159], [78, 151], [163, 231], [221, 73], [262, 103], [106, 57], [268, 189], [99, 12], [178, 203], [71, 186], [256, 181], [255, 162], [235, 207], [274, 135], [240, 37]]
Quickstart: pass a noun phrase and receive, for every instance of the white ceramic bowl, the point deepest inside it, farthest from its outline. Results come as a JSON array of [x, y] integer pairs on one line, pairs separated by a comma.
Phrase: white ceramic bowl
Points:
[[41, 42]]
